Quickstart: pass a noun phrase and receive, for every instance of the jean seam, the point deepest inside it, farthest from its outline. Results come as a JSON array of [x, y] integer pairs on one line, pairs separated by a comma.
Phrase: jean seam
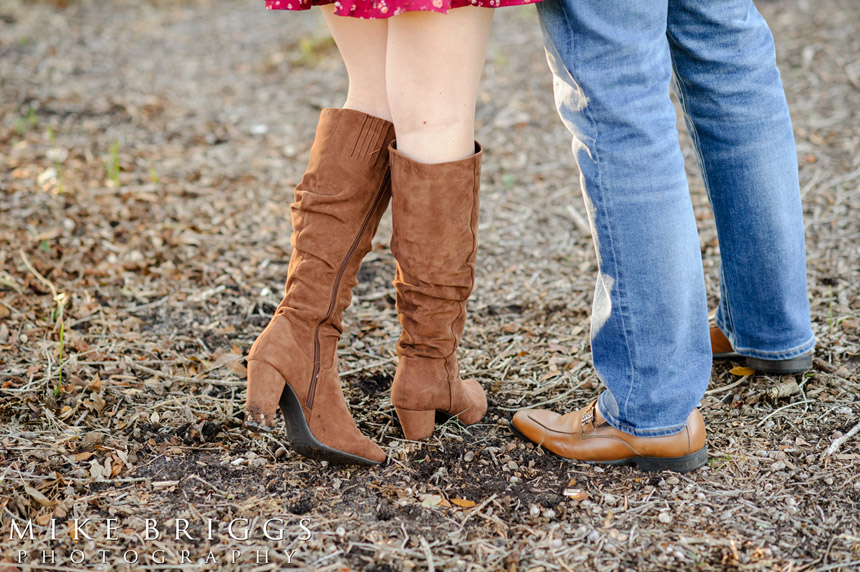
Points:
[[700, 161], [594, 156]]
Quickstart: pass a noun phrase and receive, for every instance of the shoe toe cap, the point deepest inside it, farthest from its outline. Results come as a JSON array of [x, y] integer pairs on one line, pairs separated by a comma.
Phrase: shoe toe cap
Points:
[[534, 423]]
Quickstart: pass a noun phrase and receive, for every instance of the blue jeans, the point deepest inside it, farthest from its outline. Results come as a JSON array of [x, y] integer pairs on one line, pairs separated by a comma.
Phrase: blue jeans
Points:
[[614, 63]]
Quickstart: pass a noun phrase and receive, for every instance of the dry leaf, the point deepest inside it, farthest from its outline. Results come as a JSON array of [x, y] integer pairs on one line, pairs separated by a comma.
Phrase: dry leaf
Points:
[[116, 469], [95, 385], [39, 497], [741, 371], [575, 494], [429, 501], [463, 503], [237, 368]]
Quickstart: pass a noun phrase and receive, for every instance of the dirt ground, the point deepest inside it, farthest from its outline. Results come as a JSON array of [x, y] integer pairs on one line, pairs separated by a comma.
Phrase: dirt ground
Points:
[[148, 151]]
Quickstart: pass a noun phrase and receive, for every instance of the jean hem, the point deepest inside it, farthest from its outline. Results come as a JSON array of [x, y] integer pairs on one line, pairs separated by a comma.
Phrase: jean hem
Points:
[[624, 428], [794, 352]]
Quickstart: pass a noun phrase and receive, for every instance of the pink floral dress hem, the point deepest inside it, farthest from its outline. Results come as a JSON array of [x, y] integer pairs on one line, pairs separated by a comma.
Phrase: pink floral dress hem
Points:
[[375, 9]]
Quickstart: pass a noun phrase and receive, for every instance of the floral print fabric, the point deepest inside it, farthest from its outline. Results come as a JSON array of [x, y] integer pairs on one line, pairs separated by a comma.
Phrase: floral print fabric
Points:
[[374, 9]]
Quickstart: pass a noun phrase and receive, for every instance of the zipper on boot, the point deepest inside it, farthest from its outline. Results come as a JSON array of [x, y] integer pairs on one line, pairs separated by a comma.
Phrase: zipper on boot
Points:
[[316, 371]]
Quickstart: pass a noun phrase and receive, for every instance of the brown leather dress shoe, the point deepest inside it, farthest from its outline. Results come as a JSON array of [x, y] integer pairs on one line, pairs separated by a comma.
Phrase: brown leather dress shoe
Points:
[[585, 435], [722, 349]]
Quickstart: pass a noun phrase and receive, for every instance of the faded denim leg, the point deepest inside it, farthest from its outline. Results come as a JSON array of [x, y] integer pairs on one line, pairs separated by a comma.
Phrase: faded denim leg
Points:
[[730, 89], [612, 70]]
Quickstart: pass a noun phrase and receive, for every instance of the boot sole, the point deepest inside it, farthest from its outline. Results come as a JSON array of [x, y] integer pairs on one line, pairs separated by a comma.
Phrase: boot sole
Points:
[[683, 464], [797, 364], [303, 441]]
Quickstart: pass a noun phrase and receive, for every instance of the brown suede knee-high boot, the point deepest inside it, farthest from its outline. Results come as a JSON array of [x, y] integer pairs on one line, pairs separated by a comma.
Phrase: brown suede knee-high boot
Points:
[[435, 214], [293, 364]]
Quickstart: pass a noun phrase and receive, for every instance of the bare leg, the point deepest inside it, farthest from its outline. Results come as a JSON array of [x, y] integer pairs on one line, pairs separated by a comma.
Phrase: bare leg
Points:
[[433, 67], [362, 45]]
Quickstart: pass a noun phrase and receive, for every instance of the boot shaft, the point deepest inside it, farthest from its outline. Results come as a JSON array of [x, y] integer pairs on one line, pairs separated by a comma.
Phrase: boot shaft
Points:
[[338, 205], [435, 216]]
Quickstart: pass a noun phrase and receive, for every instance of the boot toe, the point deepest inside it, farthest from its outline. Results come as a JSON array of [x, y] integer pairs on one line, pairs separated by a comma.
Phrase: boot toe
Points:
[[372, 452]]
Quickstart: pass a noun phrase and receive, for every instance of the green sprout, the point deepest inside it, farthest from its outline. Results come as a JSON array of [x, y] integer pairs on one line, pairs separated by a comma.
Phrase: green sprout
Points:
[[112, 168], [29, 121], [59, 386]]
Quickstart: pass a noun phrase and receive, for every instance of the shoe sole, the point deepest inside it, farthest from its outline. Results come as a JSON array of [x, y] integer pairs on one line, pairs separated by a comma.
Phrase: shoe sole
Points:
[[683, 464], [303, 441], [797, 364]]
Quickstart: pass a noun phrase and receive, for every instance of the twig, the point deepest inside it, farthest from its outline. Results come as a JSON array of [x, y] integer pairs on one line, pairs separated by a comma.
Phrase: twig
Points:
[[172, 377], [580, 221], [147, 306], [476, 510], [59, 298], [6, 280], [774, 412], [208, 484], [727, 387], [428, 555], [840, 441], [823, 365], [369, 366]]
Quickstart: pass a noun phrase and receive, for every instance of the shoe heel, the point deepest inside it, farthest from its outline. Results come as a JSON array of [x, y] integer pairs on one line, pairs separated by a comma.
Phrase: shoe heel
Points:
[[416, 425], [683, 464], [798, 364], [265, 385]]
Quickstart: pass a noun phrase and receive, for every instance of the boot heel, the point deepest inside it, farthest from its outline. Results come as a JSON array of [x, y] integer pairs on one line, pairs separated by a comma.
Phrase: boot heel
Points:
[[265, 385], [416, 425]]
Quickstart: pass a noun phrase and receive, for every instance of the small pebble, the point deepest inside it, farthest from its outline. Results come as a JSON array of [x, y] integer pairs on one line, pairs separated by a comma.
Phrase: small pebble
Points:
[[280, 452], [778, 466], [469, 456], [664, 517], [673, 481], [340, 531], [593, 536], [512, 465], [549, 513], [534, 510]]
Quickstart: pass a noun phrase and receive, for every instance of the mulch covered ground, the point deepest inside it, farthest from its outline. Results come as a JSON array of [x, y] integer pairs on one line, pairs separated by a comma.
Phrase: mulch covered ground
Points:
[[148, 151]]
